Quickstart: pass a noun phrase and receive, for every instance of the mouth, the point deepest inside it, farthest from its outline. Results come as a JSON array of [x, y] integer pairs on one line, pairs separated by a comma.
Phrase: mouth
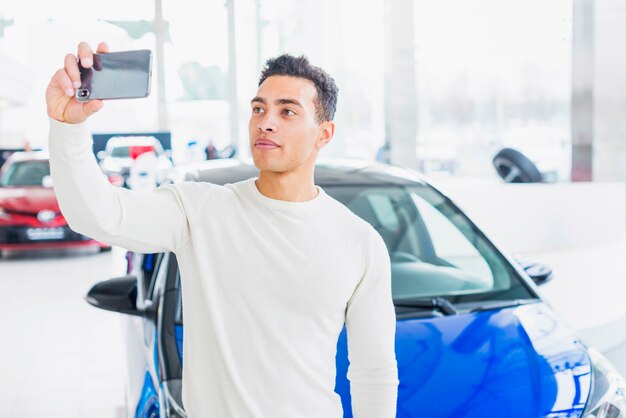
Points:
[[264, 143]]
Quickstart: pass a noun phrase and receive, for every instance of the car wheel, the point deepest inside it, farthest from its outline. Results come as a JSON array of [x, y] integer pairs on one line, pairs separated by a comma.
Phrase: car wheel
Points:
[[105, 249], [515, 167]]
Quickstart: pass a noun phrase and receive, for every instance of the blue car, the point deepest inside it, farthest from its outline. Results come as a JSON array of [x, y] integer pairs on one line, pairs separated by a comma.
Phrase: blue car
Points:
[[474, 339]]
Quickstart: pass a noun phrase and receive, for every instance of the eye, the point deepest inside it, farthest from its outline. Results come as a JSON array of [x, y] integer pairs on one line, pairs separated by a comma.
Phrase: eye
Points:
[[289, 112], [256, 109]]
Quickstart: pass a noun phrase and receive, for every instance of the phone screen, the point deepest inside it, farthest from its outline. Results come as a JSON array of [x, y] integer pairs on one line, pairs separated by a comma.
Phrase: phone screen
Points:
[[116, 75]]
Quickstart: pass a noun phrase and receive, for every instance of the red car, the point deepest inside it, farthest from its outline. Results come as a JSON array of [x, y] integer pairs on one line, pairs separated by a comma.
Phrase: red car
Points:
[[30, 217]]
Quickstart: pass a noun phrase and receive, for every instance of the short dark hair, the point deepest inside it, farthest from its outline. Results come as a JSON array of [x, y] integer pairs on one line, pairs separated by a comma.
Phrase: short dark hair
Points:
[[326, 101]]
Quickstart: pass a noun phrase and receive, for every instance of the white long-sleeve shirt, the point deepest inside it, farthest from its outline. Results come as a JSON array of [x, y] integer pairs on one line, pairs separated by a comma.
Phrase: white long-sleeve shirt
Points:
[[266, 286]]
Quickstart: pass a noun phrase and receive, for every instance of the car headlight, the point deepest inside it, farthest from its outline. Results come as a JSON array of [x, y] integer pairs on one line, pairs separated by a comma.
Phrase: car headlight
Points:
[[4, 215], [607, 398]]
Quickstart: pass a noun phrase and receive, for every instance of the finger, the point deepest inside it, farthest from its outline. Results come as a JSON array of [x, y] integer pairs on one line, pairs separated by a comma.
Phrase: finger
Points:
[[62, 79], [85, 54], [103, 47], [71, 67]]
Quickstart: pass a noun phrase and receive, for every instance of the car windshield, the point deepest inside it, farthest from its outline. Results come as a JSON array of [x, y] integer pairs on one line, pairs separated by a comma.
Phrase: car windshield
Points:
[[26, 173], [434, 249], [120, 152]]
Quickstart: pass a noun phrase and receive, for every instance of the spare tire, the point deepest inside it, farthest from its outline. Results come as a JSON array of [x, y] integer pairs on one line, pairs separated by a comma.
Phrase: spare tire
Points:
[[515, 167]]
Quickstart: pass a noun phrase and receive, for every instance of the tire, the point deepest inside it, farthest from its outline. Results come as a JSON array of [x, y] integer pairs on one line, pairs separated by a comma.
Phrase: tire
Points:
[[105, 249], [515, 167]]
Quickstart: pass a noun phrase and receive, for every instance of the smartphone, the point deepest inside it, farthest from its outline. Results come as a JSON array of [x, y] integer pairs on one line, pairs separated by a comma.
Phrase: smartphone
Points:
[[116, 75]]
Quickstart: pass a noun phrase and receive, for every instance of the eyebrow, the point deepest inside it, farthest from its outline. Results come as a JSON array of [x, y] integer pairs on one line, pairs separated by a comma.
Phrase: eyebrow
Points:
[[277, 101]]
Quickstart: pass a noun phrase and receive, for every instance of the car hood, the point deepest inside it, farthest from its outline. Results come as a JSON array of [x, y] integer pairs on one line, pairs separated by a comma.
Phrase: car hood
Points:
[[116, 163], [119, 164], [28, 199], [513, 362]]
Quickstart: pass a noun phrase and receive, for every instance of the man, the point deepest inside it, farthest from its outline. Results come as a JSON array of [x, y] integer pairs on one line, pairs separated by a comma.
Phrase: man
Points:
[[271, 267]]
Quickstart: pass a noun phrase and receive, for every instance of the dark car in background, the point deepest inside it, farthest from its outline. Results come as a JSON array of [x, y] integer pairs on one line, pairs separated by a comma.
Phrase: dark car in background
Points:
[[30, 218], [473, 336]]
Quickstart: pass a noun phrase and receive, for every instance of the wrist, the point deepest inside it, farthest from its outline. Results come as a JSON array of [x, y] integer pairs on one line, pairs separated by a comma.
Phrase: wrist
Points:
[[59, 125]]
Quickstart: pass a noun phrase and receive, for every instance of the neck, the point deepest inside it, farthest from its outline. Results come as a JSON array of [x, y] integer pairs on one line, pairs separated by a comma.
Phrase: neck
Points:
[[292, 187]]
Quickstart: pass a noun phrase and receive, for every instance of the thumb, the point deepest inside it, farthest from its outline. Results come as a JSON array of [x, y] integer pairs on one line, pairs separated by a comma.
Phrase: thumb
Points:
[[92, 107]]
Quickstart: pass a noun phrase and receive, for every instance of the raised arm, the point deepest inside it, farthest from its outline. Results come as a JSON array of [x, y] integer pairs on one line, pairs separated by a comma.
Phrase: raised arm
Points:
[[371, 327], [141, 221]]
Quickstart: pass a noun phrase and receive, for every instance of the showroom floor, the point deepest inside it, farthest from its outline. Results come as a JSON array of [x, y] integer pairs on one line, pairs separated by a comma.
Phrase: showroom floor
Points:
[[59, 356]]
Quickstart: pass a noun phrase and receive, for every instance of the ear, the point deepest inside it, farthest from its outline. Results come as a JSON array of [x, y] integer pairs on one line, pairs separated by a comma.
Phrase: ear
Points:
[[328, 130]]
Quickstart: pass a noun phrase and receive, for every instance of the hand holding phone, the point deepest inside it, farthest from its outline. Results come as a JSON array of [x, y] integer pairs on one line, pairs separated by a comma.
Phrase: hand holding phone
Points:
[[60, 93], [116, 75]]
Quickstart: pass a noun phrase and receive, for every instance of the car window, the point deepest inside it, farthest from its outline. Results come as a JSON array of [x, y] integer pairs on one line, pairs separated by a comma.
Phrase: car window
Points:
[[120, 152], [150, 266], [160, 278], [383, 210], [179, 303], [26, 173], [434, 249], [451, 246]]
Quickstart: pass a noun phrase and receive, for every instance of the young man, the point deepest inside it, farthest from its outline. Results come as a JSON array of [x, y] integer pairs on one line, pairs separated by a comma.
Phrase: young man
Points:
[[271, 267]]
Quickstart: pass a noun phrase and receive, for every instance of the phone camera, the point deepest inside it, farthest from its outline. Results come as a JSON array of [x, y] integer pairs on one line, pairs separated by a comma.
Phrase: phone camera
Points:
[[83, 93]]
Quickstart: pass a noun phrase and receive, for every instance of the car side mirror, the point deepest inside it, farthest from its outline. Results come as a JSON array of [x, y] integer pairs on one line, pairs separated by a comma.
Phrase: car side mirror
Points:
[[540, 273], [101, 154], [117, 295]]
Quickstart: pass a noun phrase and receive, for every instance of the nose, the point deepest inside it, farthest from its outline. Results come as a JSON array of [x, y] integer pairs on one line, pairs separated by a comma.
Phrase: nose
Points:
[[266, 124]]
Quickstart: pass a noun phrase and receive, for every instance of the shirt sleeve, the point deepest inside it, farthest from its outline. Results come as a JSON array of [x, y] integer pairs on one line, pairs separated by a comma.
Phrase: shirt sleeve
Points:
[[142, 221], [371, 328]]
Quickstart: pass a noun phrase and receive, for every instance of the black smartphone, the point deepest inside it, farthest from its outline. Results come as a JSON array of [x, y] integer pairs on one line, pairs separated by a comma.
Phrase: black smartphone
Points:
[[116, 75]]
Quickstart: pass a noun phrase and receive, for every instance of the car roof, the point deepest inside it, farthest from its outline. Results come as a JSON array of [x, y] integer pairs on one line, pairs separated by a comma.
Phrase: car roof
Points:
[[327, 172], [28, 156], [117, 141]]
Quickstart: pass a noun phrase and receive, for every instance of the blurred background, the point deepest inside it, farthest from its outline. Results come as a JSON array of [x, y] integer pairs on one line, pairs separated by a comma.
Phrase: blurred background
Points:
[[474, 77]]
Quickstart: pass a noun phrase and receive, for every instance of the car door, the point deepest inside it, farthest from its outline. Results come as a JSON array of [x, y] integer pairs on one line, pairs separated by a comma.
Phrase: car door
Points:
[[139, 333]]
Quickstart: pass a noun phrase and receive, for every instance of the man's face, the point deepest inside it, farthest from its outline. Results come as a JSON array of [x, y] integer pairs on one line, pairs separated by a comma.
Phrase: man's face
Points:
[[283, 112]]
